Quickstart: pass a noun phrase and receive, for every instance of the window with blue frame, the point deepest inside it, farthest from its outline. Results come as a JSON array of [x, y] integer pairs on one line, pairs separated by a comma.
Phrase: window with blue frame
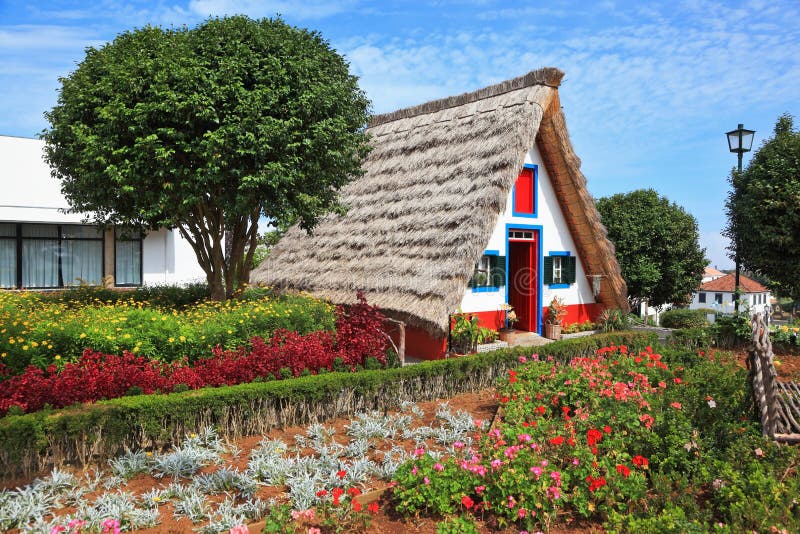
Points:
[[490, 273], [524, 196], [559, 269]]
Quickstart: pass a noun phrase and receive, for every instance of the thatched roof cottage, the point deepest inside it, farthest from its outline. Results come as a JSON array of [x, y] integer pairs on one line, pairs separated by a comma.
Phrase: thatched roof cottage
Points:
[[467, 203]]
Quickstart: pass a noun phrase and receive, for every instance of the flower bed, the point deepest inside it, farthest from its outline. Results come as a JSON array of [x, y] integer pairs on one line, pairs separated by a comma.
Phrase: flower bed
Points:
[[53, 329], [358, 342], [632, 440]]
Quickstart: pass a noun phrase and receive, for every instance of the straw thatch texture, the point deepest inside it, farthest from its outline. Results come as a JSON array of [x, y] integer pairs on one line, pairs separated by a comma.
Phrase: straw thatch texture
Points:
[[594, 248], [434, 185]]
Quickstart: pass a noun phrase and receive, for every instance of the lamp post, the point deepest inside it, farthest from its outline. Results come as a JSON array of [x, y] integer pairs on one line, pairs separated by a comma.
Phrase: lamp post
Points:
[[740, 141]]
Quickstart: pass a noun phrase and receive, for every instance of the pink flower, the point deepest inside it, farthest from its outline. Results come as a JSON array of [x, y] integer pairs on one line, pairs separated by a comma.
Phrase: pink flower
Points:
[[676, 405], [419, 452], [521, 513], [458, 445], [414, 470], [524, 438], [496, 463], [76, 525], [239, 529], [438, 467], [575, 461], [523, 359], [110, 526], [58, 528], [480, 489], [426, 480], [296, 514], [314, 530], [536, 470]]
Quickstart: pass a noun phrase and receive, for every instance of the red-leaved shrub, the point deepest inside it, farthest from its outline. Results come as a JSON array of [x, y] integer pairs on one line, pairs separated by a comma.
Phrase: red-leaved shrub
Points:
[[359, 335]]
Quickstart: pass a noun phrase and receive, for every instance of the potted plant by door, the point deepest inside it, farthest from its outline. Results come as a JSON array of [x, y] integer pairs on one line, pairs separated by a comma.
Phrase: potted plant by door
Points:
[[507, 332], [555, 313]]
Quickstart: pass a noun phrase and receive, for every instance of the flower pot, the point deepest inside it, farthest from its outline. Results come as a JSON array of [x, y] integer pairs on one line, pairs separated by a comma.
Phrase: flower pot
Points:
[[552, 331], [507, 335]]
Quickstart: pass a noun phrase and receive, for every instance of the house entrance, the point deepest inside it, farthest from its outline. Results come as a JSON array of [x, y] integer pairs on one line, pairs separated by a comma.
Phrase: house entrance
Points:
[[523, 279]]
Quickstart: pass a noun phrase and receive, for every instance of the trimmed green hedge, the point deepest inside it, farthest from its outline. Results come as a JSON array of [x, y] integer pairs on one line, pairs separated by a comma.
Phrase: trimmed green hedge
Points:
[[684, 318], [96, 432]]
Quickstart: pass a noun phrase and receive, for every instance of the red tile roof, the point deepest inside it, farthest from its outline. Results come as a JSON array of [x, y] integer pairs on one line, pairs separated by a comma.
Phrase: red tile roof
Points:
[[728, 283], [710, 271]]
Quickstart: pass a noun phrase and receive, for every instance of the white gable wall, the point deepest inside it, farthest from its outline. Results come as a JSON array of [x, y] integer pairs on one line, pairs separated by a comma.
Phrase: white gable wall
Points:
[[555, 236]]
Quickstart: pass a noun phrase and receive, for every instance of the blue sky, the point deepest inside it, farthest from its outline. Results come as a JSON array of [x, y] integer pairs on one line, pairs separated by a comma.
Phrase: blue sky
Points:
[[650, 87]]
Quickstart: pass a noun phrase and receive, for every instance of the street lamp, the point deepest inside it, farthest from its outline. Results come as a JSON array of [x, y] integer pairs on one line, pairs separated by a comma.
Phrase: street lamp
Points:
[[740, 141]]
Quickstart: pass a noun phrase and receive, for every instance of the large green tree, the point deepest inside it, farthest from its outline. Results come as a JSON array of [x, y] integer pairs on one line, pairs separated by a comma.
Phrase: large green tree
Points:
[[763, 210], [657, 245], [206, 130]]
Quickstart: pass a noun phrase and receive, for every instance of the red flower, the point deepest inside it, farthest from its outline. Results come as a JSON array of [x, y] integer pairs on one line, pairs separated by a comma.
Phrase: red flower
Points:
[[558, 440], [467, 502], [337, 492], [607, 429], [356, 506], [595, 483], [322, 493], [640, 461], [373, 507], [341, 474], [593, 436], [624, 470], [355, 492]]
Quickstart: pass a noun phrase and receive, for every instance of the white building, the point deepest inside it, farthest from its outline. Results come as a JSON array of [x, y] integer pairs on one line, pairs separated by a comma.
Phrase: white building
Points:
[[718, 293], [43, 247]]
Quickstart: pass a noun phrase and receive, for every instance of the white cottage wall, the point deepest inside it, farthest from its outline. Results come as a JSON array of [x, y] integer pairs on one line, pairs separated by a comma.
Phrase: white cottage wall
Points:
[[554, 237]]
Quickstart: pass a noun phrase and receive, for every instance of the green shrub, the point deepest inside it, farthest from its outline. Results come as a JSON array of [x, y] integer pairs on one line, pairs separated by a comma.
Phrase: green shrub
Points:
[[731, 331], [612, 320], [684, 318]]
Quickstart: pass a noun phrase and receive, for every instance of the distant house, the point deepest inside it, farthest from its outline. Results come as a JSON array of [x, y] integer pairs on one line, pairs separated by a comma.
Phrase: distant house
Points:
[[42, 247], [711, 273], [717, 294], [467, 203]]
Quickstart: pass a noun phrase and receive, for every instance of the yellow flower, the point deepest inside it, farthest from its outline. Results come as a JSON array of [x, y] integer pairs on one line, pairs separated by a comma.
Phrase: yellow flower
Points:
[[24, 347], [183, 338], [171, 340], [11, 341], [83, 335], [57, 356]]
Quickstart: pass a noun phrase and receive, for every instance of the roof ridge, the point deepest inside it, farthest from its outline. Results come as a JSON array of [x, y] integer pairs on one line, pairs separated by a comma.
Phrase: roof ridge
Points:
[[548, 76]]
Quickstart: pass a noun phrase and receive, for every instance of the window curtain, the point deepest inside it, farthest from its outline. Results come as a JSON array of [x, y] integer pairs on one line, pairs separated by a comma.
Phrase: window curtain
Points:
[[82, 261], [128, 266], [8, 263], [40, 263]]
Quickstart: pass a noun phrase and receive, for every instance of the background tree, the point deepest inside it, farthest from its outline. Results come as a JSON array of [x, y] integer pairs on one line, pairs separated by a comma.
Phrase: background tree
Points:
[[657, 245], [206, 130], [763, 210]]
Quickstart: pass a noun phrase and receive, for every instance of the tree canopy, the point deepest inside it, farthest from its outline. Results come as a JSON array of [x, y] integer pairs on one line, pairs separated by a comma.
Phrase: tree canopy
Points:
[[763, 210], [657, 246], [207, 130]]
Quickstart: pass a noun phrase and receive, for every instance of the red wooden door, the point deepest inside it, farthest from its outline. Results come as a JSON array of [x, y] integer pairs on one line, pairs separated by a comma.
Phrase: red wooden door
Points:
[[522, 280]]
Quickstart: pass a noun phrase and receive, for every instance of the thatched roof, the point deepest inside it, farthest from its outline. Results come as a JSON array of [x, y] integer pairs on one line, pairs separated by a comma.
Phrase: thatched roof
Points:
[[434, 185]]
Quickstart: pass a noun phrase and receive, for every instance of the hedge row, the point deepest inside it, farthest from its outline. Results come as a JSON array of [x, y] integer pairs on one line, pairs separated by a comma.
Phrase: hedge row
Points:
[[93, 433]]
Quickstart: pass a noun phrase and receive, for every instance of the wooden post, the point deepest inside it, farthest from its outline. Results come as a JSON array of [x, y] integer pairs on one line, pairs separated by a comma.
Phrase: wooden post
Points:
[[764, 377]]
